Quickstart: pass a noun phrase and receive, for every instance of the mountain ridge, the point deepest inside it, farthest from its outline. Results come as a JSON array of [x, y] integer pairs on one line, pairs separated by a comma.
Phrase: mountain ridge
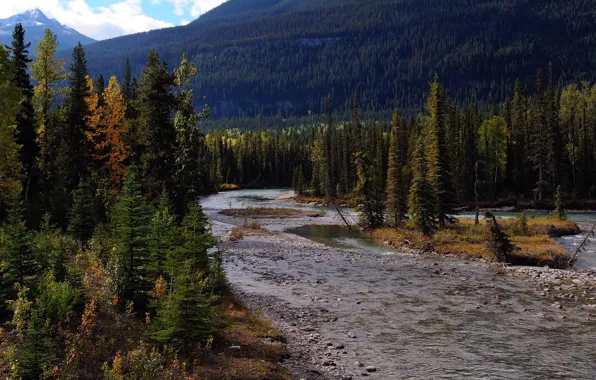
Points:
[[283, 57], [35, 22]]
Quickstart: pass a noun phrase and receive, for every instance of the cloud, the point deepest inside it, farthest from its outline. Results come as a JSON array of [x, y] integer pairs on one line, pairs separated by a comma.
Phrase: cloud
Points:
[[123, 17], [194, 7]]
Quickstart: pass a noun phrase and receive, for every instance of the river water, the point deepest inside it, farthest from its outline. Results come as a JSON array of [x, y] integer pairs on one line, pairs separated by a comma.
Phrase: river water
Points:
[[410, 316]]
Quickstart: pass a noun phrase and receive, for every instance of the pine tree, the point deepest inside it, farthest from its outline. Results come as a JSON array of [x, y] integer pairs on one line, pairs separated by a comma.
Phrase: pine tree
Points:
[[191, 175], [538, 142], [35, 356], [422, 207], [185, 319], [99, 86], [10, 97], [560, 205], [82, 216], [74, 134], [396, 188], [131, 218], [18, 261], [157, 135], [162, 233], [497, 240], [439, 170], [27, 134]]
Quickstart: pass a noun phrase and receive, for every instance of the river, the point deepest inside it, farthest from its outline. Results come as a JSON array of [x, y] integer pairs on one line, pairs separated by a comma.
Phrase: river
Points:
[[346, 303]]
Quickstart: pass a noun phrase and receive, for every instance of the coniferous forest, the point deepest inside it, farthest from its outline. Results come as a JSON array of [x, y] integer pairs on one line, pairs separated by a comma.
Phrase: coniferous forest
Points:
[[107, 263]]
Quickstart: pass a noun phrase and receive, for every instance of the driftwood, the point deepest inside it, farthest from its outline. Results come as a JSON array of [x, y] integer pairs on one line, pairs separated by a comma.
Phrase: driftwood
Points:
[[582, 246]]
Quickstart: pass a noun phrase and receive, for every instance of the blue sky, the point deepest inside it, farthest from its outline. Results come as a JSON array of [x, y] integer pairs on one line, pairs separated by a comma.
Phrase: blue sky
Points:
[[102, 19]]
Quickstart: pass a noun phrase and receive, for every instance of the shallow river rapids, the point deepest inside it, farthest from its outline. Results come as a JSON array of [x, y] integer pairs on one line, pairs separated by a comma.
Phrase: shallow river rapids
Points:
[[352, 310]]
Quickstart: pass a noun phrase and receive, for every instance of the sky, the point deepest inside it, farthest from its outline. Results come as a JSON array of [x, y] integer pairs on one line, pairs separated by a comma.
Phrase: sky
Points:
[[102, 19]]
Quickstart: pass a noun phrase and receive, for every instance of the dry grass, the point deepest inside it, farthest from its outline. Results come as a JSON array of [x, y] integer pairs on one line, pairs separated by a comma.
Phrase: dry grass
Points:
[[261, 348], [469, 240], [228, 186], [272, 213], [248, 229]]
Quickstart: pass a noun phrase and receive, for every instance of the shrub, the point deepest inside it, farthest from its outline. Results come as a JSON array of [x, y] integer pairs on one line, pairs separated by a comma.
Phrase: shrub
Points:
[[520, 228]]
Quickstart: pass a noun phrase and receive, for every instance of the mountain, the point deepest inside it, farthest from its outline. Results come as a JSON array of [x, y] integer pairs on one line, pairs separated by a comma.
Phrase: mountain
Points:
[[281, 57], [35, 22]]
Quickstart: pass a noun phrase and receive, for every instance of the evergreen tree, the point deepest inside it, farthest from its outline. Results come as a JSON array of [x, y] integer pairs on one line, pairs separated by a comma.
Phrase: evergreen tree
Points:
[[439, 170], [497, 240], [35, 357], [560, 205], [26, 128], [185, 319], [10, 97], [156, 132], [99, 86], [82, 216], [18, 261], [162, 233], [396, 187], [76, 127], [422, 207], [131, 218]]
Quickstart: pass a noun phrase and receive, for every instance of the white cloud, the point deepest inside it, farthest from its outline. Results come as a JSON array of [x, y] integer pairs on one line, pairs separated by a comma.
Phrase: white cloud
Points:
[[124, 17], [194, 7]]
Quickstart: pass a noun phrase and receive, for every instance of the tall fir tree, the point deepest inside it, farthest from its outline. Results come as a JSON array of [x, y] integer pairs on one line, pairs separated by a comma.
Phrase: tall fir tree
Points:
[[131, 219], [11, 168], [396, 186], [16, 254], [156, 132], [439, 169], [26, 126], [74, 134], [422, 207]]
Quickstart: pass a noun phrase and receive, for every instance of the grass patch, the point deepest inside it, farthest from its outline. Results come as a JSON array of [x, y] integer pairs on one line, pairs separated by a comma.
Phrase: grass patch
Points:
[[229, 186], [537, 247], [272, 213], [248, 229], [258, 348]]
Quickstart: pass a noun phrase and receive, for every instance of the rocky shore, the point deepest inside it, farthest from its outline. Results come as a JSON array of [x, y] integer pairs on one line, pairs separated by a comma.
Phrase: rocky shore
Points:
[[350, 314]]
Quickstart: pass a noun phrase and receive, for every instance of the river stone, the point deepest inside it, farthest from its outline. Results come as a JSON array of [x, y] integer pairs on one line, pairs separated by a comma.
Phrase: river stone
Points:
[[371, 368]]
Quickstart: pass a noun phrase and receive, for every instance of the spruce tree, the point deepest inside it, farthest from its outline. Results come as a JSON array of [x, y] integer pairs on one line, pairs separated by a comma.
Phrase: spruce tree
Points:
[[18, 260], [439, 170], [99, 86], [422, 206], [185, 319], [162, 233], [11, 167], [74, 132], [131, 218], [156, 133], [26, 126], [560, 205], [497, 240], [396, 193], [82, 215], [35, 356]]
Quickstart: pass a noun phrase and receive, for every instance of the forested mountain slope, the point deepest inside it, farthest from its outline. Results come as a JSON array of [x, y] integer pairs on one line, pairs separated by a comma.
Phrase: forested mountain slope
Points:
[[283, 56]]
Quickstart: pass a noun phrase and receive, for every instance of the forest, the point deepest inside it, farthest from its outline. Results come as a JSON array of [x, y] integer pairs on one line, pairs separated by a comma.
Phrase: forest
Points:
[[102, 232], [108, 268], [282, 58]]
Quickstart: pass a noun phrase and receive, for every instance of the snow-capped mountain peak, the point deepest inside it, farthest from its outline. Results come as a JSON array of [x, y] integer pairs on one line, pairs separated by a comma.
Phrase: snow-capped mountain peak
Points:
[[34, 22]]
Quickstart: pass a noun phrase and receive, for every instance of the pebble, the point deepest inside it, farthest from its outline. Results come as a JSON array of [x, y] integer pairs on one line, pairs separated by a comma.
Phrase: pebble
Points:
[[351, 335], [371, 368]]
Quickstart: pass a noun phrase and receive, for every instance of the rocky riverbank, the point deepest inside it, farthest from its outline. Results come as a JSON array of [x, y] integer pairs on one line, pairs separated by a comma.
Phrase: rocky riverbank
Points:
[[351, 313]]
